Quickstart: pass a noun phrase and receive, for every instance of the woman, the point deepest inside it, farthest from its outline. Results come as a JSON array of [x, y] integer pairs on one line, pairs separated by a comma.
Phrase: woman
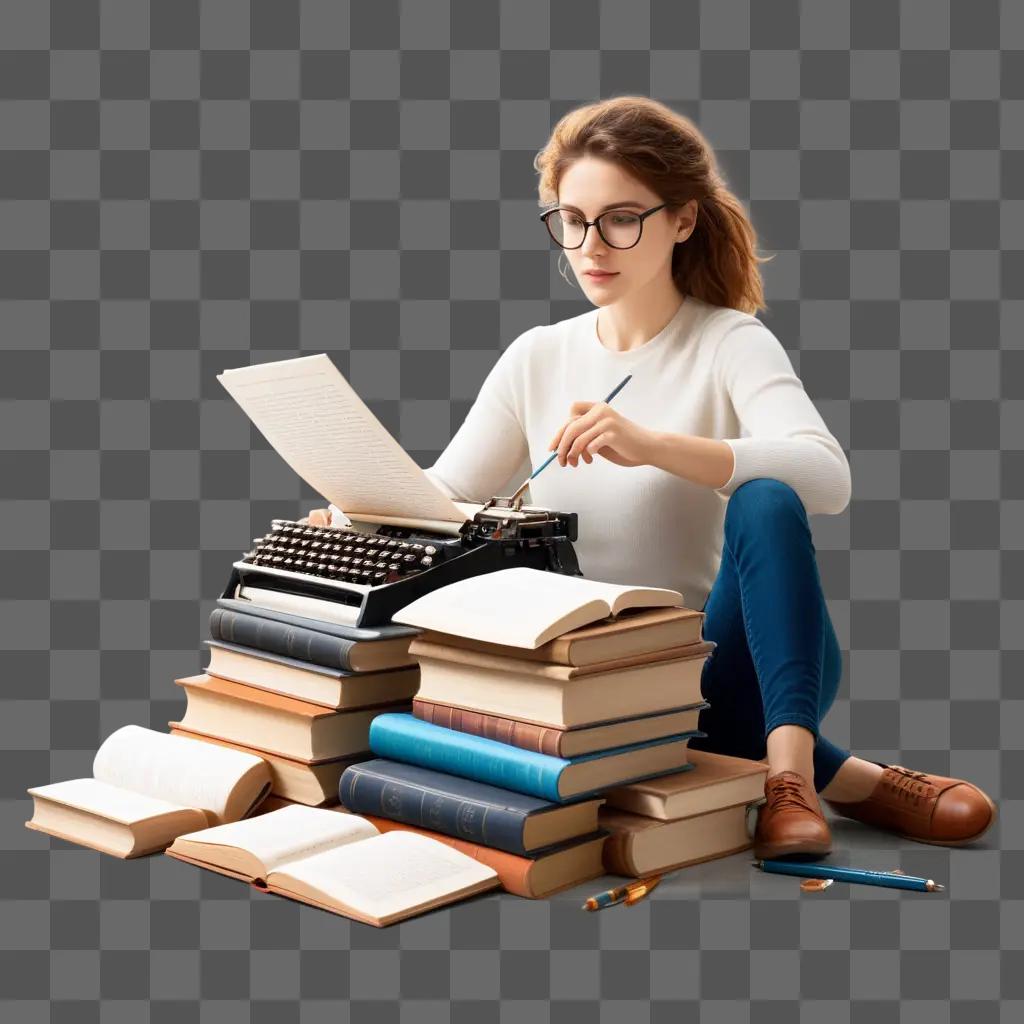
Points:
[[668, 493]]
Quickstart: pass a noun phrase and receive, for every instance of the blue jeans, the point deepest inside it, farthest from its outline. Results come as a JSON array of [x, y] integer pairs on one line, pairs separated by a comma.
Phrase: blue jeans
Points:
[[778, 660]]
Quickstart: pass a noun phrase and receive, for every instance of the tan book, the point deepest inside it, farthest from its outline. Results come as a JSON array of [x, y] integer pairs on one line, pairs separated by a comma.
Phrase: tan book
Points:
[[274, 723], [564, 743], [638, 845], [302, 782], [524, 607], [716, 780], [535, 877], [331, 688], [634, 631], [148, 787], [338, 862], [561, 696]]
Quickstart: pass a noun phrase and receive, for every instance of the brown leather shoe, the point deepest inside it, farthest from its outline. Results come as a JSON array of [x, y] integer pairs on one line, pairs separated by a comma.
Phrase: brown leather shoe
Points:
[[790, 822], [927, 808]]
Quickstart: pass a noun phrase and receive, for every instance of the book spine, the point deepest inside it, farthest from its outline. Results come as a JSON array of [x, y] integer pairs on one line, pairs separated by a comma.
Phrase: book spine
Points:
[[363, 791], [396, 736], [279, 638], [616, 855], [538, 738]]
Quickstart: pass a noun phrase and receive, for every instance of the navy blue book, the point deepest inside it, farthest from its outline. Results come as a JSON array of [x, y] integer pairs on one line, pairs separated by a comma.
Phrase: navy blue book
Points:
[[403, 737], [329, 644], [488, 815]]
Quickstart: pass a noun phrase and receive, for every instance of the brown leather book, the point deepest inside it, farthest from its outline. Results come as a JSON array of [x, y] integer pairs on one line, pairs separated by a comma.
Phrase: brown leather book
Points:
[[526, 667], [636, 631], [640, 846], [559, 742], [716, 780], [561, 696]]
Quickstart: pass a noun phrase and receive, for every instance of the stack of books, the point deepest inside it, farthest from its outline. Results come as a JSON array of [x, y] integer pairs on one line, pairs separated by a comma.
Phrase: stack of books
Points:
[[298, 692], [538, 693], [682, 819], [522, 730]]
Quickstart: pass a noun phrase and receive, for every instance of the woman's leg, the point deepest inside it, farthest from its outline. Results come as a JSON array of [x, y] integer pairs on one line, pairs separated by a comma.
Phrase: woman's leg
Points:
[[777, 660]]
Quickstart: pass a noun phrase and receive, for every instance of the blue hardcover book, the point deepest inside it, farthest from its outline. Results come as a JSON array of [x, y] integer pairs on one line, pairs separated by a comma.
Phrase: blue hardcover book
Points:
[[403, 737], [488, 815]]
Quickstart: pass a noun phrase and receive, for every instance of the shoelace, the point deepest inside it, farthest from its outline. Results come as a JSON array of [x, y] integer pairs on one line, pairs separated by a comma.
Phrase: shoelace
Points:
[[788, 793], [910, 785]]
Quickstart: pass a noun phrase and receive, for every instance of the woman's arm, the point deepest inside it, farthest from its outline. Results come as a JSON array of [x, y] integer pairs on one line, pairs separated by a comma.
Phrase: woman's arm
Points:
[[491, 442], [701, 460], [788, 438]]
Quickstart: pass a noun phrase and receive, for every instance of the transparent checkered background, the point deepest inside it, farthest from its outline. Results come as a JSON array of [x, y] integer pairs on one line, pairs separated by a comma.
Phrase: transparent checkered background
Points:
[[186, 187]]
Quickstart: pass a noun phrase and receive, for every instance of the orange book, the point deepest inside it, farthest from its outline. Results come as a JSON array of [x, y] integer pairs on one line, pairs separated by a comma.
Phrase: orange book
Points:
[[266, 721]]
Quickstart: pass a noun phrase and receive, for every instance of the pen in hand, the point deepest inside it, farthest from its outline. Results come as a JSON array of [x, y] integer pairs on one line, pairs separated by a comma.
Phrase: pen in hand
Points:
[[522, 487]]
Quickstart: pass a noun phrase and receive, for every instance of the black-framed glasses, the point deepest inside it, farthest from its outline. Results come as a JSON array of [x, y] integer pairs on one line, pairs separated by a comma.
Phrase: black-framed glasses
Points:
[[621, 229]]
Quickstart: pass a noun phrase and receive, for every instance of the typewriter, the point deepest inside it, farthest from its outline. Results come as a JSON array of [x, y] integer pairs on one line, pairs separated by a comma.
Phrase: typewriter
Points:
[[370, 570]]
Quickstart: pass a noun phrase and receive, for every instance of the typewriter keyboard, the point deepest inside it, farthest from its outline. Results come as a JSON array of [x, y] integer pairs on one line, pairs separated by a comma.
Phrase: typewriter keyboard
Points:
[[341, 554]]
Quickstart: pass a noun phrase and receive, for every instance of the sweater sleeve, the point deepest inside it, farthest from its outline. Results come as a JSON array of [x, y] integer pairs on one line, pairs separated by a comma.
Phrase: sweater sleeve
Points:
[[491, 442], [788, 439]]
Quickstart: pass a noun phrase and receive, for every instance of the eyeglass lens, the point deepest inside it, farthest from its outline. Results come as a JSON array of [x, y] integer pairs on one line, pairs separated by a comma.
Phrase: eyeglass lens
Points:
[[620, 228]]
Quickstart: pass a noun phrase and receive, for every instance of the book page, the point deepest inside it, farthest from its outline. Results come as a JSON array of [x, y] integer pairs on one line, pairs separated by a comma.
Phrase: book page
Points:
[[184, 771], [320, 426], [468, 509], [108, 801], [287, 834], [522, 607], [388, 873]]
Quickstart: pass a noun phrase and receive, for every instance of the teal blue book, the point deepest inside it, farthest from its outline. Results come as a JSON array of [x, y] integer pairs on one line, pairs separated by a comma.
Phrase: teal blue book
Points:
[[403, 737]]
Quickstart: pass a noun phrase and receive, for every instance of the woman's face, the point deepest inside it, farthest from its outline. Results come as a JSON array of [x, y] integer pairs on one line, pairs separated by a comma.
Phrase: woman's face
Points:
[[589, 187]]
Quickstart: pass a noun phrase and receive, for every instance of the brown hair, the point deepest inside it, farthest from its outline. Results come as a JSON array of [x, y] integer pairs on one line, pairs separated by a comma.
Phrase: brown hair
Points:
[[667, 152]]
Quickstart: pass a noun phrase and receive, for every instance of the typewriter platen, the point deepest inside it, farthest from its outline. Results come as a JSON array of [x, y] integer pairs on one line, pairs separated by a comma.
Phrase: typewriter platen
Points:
[[369, 570]]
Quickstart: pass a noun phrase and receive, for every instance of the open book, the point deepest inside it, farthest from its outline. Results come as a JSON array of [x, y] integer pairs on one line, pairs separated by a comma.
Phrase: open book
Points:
[[320, 426], [338, 862], [148, 787], [525, 607]]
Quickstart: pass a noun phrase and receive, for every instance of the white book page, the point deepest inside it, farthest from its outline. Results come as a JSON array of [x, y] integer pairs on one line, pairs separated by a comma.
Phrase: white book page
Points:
[[388, 873], [320, 426], [105, 800], [175, 768], [280, 836], [521, 606]]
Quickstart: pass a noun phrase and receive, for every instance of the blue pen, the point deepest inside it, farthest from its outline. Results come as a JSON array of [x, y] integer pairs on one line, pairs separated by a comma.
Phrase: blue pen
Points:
[[554, 454], [890, 879]]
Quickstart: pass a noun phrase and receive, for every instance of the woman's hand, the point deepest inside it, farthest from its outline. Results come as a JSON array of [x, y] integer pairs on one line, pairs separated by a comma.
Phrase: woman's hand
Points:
[[317, 517], [595, 428]]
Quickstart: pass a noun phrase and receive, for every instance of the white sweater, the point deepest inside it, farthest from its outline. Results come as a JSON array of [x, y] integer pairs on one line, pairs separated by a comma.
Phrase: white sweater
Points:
[[711, 372]]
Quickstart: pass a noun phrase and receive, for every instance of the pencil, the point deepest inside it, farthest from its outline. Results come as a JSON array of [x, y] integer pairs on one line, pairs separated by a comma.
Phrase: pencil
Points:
[[547, 462]]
